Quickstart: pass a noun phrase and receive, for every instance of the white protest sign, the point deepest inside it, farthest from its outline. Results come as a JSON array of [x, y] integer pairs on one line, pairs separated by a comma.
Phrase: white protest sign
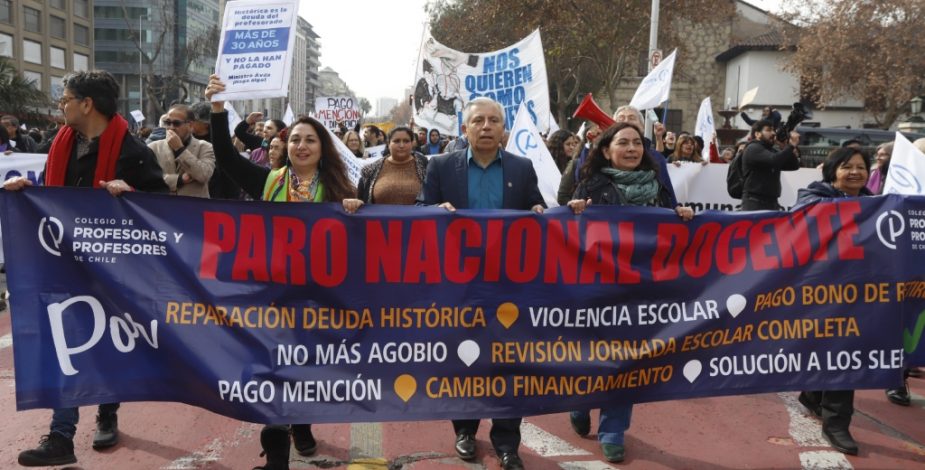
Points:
[[335, 110], [447, 79], [705, 128], [255, 49], [354, 165], [289, 116], [654, 89], [30, 165], [748, 97], [525, 141], [907, 169], [137, 115], [704, 187], [233, 118], [375, 152]]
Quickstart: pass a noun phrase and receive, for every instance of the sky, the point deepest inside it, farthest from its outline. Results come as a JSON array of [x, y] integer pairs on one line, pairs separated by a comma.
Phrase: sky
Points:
[[373, 44]]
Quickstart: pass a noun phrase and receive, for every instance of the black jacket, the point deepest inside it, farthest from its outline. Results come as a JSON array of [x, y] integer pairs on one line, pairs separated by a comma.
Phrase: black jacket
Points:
[[370, 174], [762, 166], [250, 141], [601, 189], [245, 173], [136, 165], [24, 143], [818, 190]]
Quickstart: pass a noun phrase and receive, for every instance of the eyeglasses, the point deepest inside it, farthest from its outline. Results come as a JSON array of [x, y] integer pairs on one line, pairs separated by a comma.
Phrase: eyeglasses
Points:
[[173, 123], [63, 101]]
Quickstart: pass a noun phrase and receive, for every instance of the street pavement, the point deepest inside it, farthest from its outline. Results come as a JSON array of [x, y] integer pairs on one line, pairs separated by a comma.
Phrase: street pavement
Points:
[[765, 431]]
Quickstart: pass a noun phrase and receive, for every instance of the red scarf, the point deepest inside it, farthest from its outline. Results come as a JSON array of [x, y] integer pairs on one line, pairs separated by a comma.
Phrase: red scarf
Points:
[[110, 145]]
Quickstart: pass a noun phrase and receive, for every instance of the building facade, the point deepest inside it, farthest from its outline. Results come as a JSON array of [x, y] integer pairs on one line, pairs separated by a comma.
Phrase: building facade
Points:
[[46, 39], [173, 37]]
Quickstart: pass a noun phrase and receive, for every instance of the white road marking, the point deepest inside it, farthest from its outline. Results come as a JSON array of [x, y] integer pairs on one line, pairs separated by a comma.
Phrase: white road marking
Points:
[[806, 431], [587, 465], [824, 460], [212, 452], [546, 444], [6, 341]]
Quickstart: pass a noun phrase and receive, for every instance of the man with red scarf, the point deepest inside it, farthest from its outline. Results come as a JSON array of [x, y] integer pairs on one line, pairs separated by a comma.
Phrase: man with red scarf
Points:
[[94, 149]]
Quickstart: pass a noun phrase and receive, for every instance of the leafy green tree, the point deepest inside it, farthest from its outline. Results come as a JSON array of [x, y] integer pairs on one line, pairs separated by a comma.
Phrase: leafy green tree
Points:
[[18, 95]]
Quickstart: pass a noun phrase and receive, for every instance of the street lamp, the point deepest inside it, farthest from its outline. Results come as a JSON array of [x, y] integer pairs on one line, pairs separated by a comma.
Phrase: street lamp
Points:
[[141, 86], [915, 105]]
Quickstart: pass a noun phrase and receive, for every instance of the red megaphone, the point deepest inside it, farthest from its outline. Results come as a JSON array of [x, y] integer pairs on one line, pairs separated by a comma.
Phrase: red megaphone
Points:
[[589, 110]]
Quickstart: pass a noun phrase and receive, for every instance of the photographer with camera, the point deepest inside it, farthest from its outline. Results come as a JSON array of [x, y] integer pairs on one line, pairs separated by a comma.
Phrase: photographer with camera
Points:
[[762, 164]]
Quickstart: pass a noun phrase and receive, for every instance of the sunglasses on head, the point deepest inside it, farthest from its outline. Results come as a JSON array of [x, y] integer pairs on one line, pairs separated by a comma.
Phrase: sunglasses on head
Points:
[[173, 123]]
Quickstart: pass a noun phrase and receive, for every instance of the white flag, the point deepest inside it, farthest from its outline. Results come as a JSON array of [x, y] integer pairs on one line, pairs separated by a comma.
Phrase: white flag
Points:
[[354, 165], [705, 126], [907, 169], [654, 89], [525, 141], [289, 116], [233, 118], [138, 116]]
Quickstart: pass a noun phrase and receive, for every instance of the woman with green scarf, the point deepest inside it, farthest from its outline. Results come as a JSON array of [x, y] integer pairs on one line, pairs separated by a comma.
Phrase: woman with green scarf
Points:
[[312, 172], [619, 172]]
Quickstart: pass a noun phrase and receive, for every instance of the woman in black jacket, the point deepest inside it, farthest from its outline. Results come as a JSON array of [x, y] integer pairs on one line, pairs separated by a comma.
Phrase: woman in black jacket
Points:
[[619, 172], [844, 174], [401, 174]]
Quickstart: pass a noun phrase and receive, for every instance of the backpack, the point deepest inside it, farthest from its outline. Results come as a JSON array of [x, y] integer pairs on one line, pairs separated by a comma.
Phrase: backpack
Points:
[[735, 177]]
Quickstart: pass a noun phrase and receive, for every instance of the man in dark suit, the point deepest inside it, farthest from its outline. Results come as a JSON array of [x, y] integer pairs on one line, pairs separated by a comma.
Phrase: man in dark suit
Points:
[[483, 176]]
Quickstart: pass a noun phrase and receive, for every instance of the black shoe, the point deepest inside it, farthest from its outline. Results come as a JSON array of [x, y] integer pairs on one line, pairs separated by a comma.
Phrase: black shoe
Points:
[[465, 446], [53, 449], [915, 372], [841, 440], [581, 424], [303, 439], [814, 408], [899, 396], [511, 461], [107, 431], [275, 443]]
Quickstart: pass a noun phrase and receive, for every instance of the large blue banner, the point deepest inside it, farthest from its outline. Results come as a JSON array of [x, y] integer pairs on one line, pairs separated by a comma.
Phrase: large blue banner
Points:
[[284, 313]]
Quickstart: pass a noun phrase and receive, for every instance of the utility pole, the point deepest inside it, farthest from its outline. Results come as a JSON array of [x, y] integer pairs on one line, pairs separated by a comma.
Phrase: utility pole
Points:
[[653, 45], [141, 86]]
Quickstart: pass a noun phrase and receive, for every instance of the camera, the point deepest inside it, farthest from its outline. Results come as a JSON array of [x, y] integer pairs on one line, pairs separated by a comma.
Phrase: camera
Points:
[[798, 114]]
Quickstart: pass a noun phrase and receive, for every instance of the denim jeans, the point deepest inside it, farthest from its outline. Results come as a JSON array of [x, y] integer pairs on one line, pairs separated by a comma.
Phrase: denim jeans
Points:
[[64, 420], [614, 422]]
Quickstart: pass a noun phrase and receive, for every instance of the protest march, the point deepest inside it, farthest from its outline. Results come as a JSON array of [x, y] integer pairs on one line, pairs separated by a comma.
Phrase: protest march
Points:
[[472, 257]]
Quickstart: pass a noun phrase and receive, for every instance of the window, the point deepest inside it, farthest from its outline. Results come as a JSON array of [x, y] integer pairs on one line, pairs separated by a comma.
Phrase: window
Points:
[[59, 4], [80, 8], [56, 58], [32, 20], [34, 77], [6, 11], [6, 45], [57, 87], [81, 62], [81, 34], [32, 51], [57, 27]]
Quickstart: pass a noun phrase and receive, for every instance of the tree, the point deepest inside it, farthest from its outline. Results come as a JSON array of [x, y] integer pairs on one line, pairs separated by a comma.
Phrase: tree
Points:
[[867, 50], [163, 86], [19, 96], [400, 114], [590, 45], [365, 107]]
